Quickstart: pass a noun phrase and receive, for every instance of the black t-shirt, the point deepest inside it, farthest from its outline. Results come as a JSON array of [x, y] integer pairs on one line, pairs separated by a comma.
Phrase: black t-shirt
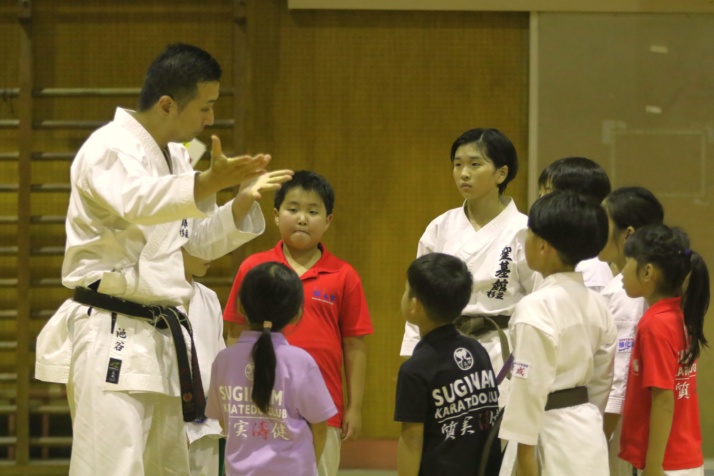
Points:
[[449, 385]]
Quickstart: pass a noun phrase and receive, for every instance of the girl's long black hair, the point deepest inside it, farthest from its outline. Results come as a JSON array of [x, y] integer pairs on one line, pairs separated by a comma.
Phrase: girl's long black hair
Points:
[[270, 293], [684, 274]]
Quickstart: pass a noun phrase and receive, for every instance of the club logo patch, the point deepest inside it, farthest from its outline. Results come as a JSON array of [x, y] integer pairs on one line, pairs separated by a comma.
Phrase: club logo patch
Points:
[[249, 371], [625, 345], [113, 370], [520, 369], [463, 358]]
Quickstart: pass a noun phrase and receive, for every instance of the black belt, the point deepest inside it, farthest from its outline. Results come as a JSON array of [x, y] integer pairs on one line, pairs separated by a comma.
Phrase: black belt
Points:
[[569, 397], [193, 400]]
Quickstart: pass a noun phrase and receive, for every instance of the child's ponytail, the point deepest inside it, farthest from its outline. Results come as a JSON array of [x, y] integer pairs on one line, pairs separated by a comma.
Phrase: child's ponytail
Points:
[[263, 369], [695, 302], [271, 296]]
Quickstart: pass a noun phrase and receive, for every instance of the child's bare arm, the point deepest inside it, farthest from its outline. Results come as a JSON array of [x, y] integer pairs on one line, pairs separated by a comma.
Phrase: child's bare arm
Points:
[[409, 450], [355, 352], [661, 416], [319, 436], [527, 462], [610, 421]]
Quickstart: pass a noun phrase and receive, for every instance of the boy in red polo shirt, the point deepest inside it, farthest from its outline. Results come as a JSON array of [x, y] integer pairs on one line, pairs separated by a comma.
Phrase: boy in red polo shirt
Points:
[[335, 315]]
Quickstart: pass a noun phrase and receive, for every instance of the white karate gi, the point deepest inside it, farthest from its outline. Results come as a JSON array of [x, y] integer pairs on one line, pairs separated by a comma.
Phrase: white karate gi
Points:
[[596, 274], [484, 251], [206, 316], [627, 313], [563, 337], [128, 218]]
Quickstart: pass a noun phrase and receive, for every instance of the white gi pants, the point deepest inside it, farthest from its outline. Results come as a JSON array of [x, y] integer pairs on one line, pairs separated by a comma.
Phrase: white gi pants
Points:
[[203, 456], [683, 472], [567, 432], [618, 467], [118, 433], [330, 461]]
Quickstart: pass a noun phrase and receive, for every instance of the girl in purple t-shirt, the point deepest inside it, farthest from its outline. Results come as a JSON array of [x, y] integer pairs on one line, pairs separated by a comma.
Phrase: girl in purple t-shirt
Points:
[[269, 396]]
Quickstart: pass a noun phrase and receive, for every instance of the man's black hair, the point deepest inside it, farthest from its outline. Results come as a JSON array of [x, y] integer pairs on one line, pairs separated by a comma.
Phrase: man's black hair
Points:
[[177, 72]]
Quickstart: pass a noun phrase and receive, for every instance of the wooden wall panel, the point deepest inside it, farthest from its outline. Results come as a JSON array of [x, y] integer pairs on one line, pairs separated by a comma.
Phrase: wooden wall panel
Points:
[[9, 53], [608, 6], [10, 40], [9, 82], [373, 101]]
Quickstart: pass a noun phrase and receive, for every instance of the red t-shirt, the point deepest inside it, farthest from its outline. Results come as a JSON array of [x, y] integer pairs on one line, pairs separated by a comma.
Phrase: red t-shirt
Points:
[[334, 308], [660, 344]]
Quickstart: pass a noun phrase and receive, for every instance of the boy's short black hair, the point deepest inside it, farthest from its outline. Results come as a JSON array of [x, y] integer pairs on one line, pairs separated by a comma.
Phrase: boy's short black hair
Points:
[[442, 283], [310, 182], [177, 72], [578, 174], [574, 224], [495, 146]]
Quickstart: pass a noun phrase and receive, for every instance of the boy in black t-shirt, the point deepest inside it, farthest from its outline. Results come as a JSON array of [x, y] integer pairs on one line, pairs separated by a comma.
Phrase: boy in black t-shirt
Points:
[[447, 397]]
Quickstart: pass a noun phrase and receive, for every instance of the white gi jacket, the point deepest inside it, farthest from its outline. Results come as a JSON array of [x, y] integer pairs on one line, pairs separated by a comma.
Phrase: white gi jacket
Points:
[[128, 218], [206, 316], [596, 274], [627, 313], [563, 336], [495, 253]]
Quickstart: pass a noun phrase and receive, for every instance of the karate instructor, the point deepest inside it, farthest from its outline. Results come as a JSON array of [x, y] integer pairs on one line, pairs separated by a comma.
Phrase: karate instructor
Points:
[[123, 345]]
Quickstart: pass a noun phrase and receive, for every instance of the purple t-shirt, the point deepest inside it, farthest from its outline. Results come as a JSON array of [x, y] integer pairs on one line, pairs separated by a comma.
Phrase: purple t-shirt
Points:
[[267, 444]]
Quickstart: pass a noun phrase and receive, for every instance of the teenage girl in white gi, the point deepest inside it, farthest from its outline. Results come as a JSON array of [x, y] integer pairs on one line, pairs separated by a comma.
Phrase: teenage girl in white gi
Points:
[[628, 209], [269, 396], [661, 432], [488, 233]]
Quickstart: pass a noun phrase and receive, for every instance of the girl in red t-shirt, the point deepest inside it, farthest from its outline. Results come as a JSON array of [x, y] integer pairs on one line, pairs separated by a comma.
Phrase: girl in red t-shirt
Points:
[[661, 433]]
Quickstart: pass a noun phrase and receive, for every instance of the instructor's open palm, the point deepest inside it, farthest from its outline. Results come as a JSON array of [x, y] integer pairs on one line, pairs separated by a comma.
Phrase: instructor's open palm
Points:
[[231, 171], [258, 184]]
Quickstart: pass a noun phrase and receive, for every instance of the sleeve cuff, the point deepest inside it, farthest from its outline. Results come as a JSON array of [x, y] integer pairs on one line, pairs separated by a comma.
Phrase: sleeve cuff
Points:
[[202, 208], [515, 437], [253, 223], [614, 405]]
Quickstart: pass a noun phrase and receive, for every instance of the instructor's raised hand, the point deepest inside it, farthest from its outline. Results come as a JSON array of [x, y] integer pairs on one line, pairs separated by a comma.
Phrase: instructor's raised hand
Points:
[[227, 172], [255, 186]]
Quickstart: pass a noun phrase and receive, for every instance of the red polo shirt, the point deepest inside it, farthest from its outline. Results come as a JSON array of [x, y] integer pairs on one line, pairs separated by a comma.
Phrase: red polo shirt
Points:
[[334, 308], [660, 344]]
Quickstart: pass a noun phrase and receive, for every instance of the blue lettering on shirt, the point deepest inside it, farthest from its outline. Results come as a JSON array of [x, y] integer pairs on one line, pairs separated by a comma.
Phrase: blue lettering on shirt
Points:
[[626, 344]]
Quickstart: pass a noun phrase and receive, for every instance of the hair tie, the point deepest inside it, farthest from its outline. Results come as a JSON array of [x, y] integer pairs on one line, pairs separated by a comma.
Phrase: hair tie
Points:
[[267, 325], [688, 252]]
